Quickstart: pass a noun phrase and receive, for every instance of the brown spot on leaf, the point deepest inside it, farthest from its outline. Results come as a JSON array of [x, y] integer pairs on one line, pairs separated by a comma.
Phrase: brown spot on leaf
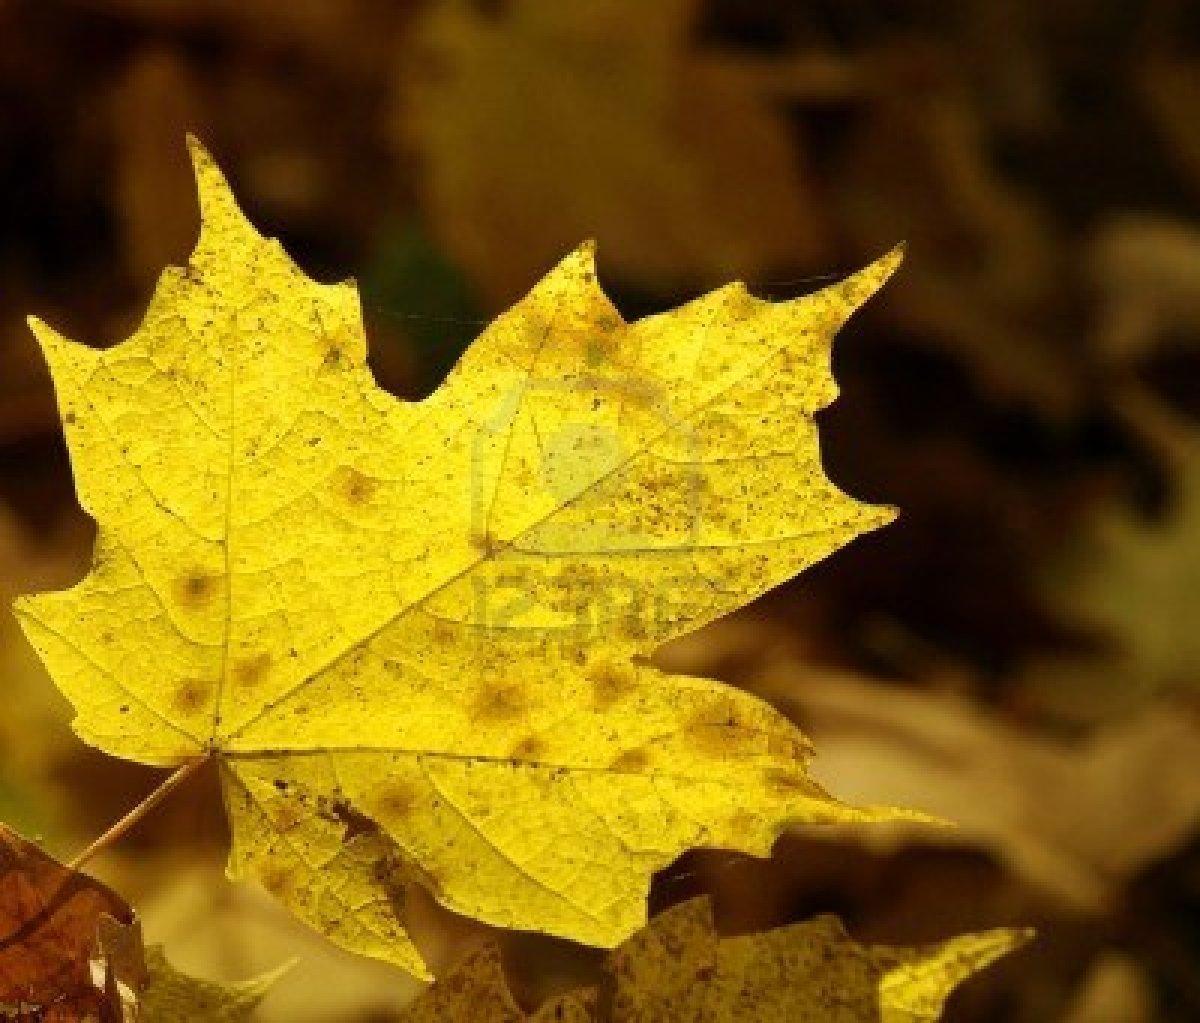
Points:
[[191, 695], [597, 351], [334, 355], [275, 878], [577, 577], [531, 748], [631, 761], [395, 800], [789, 747], [499, 702], [720, 730], [388, 870], [744, 825], [249, 671], [356, 822], [634, 628], [610, 683], [356, 488], [195, 589], [286, 814], [641, 393]]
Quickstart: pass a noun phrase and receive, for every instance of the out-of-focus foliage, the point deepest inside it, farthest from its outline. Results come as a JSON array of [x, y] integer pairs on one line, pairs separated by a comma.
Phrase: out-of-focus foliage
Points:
[[1033, 373], [32, 796], [626, 136], [1130, 586], [168, 996]]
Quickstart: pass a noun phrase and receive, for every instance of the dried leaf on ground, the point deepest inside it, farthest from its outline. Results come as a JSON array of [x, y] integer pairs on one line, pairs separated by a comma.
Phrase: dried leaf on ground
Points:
[[49, 925], [553, 122], [1115, 990], [1077, 818], [679, 968], [414, 634], [918, 162], [71, 950], [1146, 271]]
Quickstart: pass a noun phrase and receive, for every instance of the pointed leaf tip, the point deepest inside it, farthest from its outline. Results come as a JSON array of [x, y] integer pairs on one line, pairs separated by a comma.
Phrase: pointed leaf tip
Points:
[[43, 331], [202, 161], [848, 295], [875, 275], [584, 256], [55, 344], [219, 210]]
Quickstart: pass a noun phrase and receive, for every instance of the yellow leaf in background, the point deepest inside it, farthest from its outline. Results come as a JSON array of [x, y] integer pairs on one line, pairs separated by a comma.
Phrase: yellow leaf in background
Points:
[[227, 931], [679, 969], [916, 982], [415, 635], [173, 997]]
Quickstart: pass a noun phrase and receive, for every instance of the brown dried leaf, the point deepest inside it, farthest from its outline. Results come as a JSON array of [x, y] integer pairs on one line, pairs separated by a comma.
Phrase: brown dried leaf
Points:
[[49, 921], [71, 950]]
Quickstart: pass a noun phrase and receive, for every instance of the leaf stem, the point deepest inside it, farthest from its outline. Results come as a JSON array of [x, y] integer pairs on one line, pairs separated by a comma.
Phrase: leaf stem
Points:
[[182, 774]]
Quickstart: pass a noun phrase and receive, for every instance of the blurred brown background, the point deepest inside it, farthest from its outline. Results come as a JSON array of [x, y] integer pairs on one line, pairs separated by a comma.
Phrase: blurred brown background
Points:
[[1020, 652]]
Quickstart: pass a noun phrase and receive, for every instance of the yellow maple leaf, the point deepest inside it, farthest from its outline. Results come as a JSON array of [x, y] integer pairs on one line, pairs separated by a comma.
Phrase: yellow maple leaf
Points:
[[678, 968], [414, 635]]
